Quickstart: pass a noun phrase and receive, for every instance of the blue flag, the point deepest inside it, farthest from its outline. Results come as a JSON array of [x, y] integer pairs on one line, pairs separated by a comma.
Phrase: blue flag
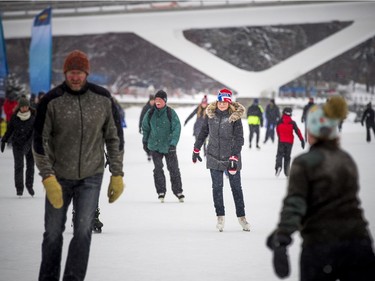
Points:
[[40, 62], [3, 61]]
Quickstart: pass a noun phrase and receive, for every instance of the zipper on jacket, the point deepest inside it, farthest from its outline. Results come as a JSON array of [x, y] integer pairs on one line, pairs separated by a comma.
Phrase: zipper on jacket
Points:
[[80, 147]]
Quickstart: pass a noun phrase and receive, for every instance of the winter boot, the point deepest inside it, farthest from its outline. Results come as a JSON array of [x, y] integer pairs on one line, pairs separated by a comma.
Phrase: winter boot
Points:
[[181, 197], [31, 191], [245, 225], [278, 171], [161, 197], [96, 223], [220, 223]]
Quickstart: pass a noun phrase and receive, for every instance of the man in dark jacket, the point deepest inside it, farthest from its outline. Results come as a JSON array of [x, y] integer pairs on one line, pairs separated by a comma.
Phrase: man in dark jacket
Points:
[[20, 129], [73, 123], [284, 129], [369, 117], [255, 121], [272, 117], [161, 132], [322, 204]]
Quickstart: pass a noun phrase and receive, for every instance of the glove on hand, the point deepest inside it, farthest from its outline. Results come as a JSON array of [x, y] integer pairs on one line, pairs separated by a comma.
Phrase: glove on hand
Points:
[[362, 124], [185, 123], [54, 192], [140, 130], [278, 243], [232, 167], [172, 149], [303, 144], [196, 155], [145, 148], [115, 188], [2, 146]]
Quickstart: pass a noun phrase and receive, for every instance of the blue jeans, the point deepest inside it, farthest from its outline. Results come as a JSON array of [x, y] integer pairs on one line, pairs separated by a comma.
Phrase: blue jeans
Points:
[[85, 196], [217, 192]]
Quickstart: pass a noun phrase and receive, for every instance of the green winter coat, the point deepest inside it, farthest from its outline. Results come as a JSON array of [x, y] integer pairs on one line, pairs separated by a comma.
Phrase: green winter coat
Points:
[[158, 132]]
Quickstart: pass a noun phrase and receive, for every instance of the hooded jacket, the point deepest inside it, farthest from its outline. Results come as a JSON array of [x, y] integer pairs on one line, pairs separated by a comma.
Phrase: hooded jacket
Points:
[[285, 128], [158, 132], [225, 132], [70, 130]]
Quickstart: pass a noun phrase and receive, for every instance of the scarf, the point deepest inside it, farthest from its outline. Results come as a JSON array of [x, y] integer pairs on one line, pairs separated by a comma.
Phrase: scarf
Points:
[[24, 116]]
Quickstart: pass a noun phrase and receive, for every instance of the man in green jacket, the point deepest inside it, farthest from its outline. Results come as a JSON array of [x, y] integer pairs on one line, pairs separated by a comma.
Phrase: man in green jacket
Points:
[[161, 132], [73, 123]]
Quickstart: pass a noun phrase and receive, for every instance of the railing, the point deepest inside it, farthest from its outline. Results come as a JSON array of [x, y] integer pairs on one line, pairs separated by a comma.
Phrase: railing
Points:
[[21, 10]]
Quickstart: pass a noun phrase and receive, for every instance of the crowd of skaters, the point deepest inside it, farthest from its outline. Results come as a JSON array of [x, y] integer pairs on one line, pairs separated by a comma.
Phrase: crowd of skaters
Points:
[[218, 129]]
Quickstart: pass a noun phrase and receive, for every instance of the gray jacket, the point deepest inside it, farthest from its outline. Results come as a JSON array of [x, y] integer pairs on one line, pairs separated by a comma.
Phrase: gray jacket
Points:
[[225, 135], [71, 129]]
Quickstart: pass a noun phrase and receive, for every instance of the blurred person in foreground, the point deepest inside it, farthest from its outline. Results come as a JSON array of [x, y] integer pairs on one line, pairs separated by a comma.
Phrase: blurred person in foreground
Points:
[[322, 203], [74, 122], [223, 126]]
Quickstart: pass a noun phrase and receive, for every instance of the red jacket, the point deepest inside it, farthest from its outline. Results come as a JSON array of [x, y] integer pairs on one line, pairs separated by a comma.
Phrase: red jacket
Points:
[[285, 128], [9, 107]]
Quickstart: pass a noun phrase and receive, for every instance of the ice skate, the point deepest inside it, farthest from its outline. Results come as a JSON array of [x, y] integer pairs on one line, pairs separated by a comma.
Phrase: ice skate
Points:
[[220, 223], [245, 225], [96, 223], [161, 197], [278, 171], [31, 191], [258, 147], [181, 197]]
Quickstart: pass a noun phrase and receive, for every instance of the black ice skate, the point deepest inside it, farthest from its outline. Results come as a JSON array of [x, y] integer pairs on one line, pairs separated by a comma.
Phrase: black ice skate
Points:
[[96, 223]]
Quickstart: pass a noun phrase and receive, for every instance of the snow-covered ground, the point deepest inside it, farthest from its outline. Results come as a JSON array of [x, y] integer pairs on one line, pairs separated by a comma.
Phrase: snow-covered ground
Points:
[[144, 240]]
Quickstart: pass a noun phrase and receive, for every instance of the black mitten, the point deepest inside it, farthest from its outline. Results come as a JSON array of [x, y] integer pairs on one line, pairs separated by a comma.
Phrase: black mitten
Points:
[[145, 148], [232, 167], [172, 149], [196, 155], [2, 146], [278, 243]]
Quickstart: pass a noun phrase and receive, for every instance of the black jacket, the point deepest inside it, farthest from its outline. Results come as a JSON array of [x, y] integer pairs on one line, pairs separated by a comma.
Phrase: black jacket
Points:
[[225, 132], [20, 131], [322, 200]]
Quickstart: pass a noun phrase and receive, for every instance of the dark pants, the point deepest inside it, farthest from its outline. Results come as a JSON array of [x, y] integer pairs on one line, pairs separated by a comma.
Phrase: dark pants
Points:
[[352, 260], [270, 132], [368, 131], [174, 172], [85, 195], [284, 151], [254, 129], [217, 192], [19, 153]]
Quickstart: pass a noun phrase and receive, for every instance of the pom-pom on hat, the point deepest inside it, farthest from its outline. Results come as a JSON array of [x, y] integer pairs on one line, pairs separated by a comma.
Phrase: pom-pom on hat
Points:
[[224, 95], [161, 94], [323, 120], [204, 100], [77, 60]]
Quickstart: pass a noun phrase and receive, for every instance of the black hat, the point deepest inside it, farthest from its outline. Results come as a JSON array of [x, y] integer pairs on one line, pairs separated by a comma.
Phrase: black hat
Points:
[[161, 94], [287, 111]]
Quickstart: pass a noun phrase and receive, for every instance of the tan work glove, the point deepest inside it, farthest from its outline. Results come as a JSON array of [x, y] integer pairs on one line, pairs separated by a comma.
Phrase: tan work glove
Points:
[[54, 192], [115, 188]]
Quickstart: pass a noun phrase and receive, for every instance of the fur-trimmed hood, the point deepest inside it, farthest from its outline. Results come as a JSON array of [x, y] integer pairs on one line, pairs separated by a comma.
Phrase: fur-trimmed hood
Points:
[[236, 110]]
